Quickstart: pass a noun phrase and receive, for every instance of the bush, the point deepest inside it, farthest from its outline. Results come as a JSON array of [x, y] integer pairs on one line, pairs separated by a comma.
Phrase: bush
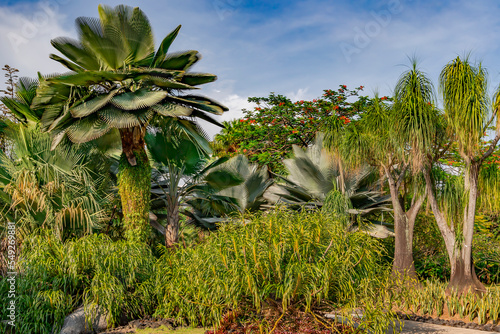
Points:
[[57, 277], [275, 261]]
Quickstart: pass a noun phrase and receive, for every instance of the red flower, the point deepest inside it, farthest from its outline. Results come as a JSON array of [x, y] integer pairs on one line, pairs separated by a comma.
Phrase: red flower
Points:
[[242, 120], [257, 108], [344, 86], [383, 98], [295, 131], [361, 87], [281, 104], [336, 108], [245, 150]]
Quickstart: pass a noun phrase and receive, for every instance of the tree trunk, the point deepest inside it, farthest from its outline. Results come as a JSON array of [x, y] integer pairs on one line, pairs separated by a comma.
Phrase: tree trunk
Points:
[[172, 228], [403, 267], [134, 184], [463, 276]]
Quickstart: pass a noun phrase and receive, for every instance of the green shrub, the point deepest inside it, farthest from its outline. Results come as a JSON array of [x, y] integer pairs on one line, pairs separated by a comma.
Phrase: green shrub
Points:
[[280, 260], [56, 277]]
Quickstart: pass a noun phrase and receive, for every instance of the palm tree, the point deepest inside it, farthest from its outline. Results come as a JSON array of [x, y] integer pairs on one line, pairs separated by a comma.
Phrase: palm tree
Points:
[[182, 174], [118, 86], [66, 189], [467, 109], [211, 208], [317, 179], [395, 138]]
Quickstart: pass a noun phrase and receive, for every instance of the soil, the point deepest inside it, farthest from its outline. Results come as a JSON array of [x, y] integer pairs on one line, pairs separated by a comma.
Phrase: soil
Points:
[[291, 323]]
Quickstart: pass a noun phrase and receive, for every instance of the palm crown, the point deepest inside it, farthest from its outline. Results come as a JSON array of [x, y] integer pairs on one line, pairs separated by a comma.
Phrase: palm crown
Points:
[[119, 81]]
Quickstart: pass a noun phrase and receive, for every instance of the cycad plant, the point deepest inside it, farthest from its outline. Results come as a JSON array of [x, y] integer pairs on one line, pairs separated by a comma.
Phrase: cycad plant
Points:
[[211, 209], [119, 84], [318, 179]]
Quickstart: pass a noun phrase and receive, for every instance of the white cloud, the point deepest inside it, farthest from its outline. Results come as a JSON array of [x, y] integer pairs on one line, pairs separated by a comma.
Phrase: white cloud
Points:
[[300, 94], [25, 34]]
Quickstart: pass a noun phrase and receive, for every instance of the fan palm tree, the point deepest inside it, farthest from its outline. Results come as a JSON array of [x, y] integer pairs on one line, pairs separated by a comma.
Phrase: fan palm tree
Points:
[[66, 189], [118, 85], [468, 114], [213, 208], [317, 179]]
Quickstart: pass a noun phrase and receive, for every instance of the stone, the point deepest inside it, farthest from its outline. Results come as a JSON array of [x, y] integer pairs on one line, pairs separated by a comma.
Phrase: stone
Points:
[[75, 323]]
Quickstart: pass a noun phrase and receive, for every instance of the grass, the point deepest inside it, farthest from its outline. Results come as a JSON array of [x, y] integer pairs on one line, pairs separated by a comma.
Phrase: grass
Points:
[[272, 263], [259, 265], [56, 277], [432, 300]]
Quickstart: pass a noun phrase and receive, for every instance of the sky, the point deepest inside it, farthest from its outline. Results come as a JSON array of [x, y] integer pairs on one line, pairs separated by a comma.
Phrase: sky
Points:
[[295, 48]]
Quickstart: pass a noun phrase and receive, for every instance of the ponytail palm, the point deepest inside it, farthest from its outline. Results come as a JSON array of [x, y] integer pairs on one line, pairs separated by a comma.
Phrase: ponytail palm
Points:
[[468, 114], [118, 85], [396, 138]]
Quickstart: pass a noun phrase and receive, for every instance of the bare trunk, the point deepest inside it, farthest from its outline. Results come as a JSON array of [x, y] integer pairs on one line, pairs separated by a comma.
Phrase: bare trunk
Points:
[[403, 266], [463, 276]]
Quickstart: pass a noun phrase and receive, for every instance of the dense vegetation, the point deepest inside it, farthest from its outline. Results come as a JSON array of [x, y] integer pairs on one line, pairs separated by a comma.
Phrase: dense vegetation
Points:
[[112, 197]]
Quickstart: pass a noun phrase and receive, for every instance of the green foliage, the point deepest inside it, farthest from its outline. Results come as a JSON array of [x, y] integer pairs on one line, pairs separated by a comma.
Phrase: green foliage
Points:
[[55, 278], [118, 79], [260, 263], [318, 179], [431, 298], [431, 259], [267, 133], [134, 187], [429, 252], [245, 196], [66, 190], [466, 102]]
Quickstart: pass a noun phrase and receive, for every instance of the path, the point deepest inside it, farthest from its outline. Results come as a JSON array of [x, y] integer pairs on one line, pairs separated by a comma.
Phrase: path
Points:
[[416, 327]]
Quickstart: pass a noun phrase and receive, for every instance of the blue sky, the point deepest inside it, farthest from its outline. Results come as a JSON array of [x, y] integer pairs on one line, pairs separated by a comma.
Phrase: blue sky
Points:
[[296, 48]]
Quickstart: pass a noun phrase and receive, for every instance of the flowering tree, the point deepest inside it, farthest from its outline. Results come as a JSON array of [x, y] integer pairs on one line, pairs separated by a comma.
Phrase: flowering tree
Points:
[[267, 133]]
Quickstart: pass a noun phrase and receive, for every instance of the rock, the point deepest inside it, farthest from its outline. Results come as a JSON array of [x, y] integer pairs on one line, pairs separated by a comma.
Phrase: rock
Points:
[[75, 323]]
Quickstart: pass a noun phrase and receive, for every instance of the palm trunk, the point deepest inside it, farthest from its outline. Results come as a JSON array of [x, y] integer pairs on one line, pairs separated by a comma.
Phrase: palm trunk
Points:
[[172, 228], [134, 184], [463, 276]]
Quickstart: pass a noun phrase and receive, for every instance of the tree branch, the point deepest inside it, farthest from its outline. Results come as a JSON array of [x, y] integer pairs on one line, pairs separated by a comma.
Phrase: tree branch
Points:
[[490, 149]]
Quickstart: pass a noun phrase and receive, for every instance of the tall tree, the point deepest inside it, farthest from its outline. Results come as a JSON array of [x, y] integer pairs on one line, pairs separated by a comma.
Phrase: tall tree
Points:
[[119, 86], [468, 114], [394, 138]]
